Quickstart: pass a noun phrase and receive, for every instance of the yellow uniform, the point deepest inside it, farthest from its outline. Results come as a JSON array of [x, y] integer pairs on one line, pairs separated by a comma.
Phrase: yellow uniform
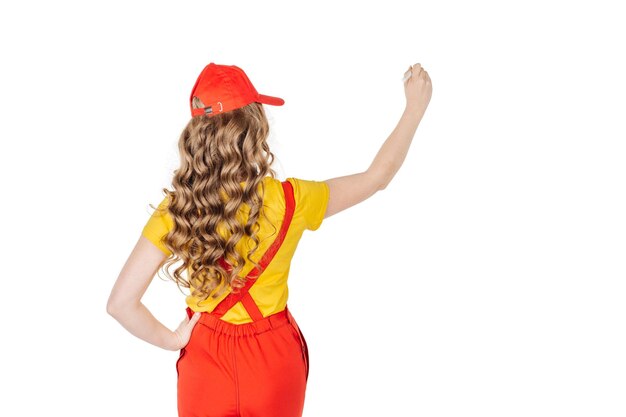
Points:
[[270, 292]]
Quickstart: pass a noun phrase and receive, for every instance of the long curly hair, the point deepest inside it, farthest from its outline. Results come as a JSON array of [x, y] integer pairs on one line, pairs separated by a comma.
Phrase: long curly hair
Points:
[[217, 153]]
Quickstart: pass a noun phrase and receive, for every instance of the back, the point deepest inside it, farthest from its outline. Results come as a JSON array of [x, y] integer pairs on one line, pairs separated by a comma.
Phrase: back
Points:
[[270, 292]]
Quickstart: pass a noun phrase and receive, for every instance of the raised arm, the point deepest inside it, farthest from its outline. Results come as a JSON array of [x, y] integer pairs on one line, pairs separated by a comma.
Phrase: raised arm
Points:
[[349, 190]]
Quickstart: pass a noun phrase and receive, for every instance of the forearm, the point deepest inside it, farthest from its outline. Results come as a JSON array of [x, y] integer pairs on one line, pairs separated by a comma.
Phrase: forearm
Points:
[[392, 153], [138, 320]]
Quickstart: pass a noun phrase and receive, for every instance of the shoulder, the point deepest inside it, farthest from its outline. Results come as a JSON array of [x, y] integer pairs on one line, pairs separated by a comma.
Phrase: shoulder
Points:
[[161, 213], [158, 225], [311, 199], [309, 188]]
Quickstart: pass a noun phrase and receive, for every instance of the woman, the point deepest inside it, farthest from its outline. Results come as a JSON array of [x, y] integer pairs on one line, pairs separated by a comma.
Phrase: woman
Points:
[[233, 228]]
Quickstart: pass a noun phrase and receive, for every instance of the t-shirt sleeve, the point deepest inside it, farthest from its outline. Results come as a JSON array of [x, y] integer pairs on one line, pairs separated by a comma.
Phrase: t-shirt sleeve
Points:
[[311, 199], [158, 225]]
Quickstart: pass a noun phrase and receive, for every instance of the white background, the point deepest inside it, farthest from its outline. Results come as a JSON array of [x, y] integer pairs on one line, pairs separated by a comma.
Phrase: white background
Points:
[[486, 280]]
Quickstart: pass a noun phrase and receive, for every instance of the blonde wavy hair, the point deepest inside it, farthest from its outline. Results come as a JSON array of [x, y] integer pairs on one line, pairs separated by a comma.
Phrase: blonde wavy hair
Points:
[[217, 152]]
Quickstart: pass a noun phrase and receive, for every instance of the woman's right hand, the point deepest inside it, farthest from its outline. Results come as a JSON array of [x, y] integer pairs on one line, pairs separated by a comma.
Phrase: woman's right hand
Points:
[[418, 88]]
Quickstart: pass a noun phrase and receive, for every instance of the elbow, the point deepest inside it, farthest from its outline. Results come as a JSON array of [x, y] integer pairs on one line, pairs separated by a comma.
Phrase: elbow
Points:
[[381, 178], [112, 307], [383, 184], [118, 307]]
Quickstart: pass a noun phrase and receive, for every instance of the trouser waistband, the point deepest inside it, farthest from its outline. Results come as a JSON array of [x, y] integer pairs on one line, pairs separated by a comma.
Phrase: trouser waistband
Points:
[[255, 327]]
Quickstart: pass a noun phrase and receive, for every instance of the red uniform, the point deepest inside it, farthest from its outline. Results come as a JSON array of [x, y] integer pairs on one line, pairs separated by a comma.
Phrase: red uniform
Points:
[[255, 369]]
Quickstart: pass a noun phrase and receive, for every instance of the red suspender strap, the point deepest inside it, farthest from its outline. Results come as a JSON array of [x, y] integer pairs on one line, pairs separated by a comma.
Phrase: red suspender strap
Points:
[[243, 295]]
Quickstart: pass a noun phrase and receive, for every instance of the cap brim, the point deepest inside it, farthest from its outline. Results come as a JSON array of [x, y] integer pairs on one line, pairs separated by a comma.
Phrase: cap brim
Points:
[[274, 101]]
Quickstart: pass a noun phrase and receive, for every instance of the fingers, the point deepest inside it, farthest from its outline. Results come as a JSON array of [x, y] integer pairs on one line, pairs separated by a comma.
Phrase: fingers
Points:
[[183, 332], [421, 72], [194, 319], [416, 71], [407, 74], [191, 321]]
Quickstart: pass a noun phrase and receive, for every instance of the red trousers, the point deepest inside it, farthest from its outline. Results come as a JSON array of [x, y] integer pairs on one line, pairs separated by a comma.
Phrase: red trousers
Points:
[[257, 369]]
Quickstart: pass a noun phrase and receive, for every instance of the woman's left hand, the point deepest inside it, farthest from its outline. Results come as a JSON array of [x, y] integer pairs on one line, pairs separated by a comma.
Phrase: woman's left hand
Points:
[[182, 334]]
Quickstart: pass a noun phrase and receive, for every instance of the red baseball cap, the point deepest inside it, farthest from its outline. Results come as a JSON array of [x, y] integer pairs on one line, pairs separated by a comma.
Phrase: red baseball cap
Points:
[[226, 87]]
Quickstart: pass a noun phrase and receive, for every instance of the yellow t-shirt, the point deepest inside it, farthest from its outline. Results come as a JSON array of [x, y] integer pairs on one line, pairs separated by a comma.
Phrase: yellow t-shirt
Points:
[[270, 291]]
